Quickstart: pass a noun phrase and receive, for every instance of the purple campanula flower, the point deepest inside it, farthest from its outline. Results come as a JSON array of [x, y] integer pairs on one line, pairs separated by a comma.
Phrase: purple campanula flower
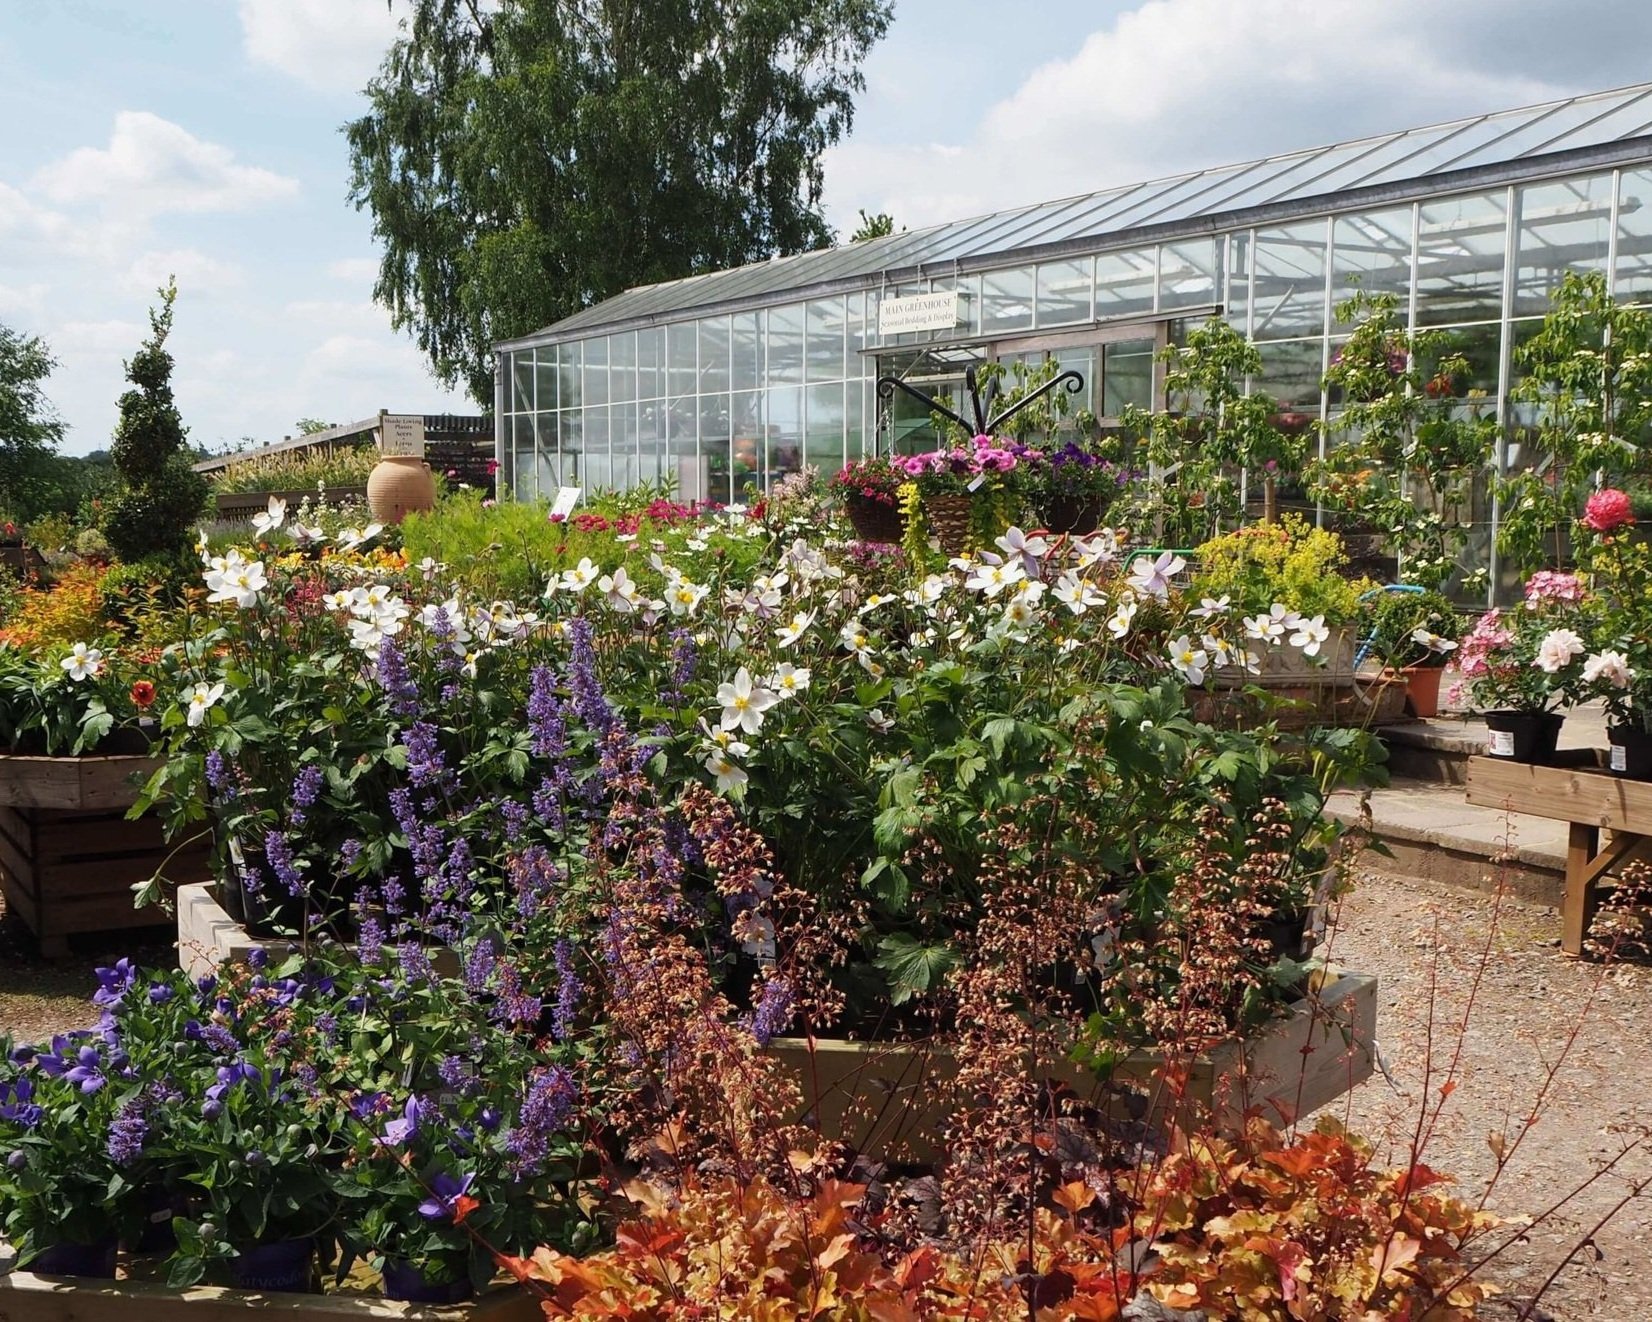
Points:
[[114, 983], [160, 994], [87, 1071], [365, 1105], [398, 1132], [17, 1104], [445, 1192], [217, 775], [220, 1039]]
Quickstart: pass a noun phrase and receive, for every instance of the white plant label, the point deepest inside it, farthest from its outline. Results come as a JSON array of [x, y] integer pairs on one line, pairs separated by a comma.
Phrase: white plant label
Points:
[[1502, 743], [1620, 758], [566, 499]]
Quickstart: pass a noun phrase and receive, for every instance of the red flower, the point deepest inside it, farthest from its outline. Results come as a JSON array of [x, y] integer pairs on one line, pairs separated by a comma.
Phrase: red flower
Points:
[[1607, 510], [143, 694]]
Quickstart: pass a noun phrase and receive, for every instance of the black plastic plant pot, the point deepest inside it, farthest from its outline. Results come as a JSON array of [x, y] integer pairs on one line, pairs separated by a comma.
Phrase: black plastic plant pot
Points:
[[1524, 736], [283, 1266], [68, 1259], [404, 1281], [1630, 752]]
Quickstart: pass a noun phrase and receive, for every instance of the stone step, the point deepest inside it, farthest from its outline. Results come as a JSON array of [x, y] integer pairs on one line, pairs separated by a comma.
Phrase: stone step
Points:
[[1438, 750]]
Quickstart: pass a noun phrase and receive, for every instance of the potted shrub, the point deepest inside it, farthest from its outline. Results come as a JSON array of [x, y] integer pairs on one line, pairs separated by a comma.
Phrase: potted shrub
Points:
[[870, 491], [1521, 663], [1619, 667], [1415, 634]]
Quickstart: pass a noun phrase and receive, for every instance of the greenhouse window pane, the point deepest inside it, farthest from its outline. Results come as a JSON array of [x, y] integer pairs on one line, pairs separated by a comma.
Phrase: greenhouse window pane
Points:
[[522, 373], [1237, 300], [784, 426], [622, 366], [597, 469], [784, 335], [1064, 292], [1127, 376], [747, 351], [1291, 373], [651, 363], [855, 361], [968, 289], [568, 388], [714, 355], [652, 448], [1634, 274], [679, 358], [1188, 274], [596, 372], [545, 382], [523, 450], [683, 447], [1372, 252], [1289, 282], [1482, 346], [1124, 282], [745, 458], [1007, 300], [824, 345], [1460, 263], [1562, 228], [823, 446]]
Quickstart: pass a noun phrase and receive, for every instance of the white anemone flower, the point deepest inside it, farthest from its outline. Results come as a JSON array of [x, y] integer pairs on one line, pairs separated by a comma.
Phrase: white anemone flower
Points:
[[871, 665], [1019, 547], [1076, 594], [989, 578], [1222, 652], [878, 722], [271, 518], [240, 584], [202, 698], [1556, 651], [1311, 635], [697, 544], [854, 638], [429, 567], [1188, 660], [340, 599], [580, 577], [788, 679], [307, 534], [353, 539], [1433, 641], [1272, 627], [1099, 548], [83, 662], [685, 597], [1118, 624], [1152, 577], [794, 628], [1612, 667], [743, 702], [1209, 606], [619, 591], [728, 773], [201, 546]]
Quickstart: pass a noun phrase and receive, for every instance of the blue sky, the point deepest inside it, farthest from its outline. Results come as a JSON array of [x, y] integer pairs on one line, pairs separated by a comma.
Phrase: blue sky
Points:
[[142, 137]]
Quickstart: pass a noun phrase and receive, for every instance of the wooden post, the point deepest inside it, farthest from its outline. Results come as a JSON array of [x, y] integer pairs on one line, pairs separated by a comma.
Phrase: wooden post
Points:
[[1582, 843]]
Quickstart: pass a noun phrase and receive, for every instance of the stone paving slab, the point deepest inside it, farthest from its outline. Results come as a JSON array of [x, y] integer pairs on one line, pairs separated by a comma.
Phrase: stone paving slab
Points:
[[1424, 813]]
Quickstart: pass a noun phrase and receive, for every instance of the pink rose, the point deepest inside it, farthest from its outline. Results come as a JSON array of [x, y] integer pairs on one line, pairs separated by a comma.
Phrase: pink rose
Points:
[[1607, 510]]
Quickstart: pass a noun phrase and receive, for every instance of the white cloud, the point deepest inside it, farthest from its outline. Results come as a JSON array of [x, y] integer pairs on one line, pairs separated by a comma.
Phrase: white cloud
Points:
[[152, 166], [329, 44], [74, 339], [23, 303], [355, 270], [195, 271], [1176, 85]]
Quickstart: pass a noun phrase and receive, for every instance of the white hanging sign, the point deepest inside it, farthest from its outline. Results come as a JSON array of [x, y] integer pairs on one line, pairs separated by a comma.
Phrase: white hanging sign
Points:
[[401, 434], [917, 312]]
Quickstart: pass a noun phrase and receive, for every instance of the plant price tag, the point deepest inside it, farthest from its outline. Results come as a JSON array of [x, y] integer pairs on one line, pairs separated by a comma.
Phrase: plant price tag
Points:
[[1620, 758], [566, 499], [1502, 743]]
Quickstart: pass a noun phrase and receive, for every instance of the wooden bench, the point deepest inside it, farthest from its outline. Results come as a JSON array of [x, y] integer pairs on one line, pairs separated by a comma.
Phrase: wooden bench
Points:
[[1590, 800]]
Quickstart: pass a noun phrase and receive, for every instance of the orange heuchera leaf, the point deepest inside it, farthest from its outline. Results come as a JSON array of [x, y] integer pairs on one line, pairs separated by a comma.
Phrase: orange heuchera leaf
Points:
[[1298, 1161], [1075, 1196], [1400, 1251]]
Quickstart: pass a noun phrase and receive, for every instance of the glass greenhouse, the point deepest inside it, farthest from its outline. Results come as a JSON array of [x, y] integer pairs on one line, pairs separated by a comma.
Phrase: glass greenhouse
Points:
[[743, 376]]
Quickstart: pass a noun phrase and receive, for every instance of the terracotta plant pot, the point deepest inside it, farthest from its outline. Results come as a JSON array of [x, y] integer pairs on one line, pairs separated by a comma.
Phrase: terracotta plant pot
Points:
[[951, 519], [1423, 690], [872, 520], [398, 485], [1524, 736]]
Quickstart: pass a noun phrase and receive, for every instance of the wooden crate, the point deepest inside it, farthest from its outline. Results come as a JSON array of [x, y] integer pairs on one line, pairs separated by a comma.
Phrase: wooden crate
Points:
[[889, 1099], [25, 1297], [68, 856]]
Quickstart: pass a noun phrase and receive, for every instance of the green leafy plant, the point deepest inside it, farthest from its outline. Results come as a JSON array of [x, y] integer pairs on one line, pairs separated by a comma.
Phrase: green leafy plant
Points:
[[1288, 562], [1410, 628], [299, 470]]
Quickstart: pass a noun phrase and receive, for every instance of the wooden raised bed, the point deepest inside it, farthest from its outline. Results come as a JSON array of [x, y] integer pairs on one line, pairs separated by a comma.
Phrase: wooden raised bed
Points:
[[889, 1100], [68, 856], [25, 1297], [1590, 800]]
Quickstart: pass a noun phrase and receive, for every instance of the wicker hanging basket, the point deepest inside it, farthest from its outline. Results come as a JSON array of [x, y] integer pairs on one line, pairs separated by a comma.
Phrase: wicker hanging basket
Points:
[[951, 519], [872, 520]]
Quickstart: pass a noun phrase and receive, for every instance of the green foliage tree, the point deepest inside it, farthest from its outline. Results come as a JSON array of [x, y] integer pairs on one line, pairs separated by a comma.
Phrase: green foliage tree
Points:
[[1587, 372], [1407, 447], [161, 494], [878, 226], [30, 429], [525, 161], [1212, 435]]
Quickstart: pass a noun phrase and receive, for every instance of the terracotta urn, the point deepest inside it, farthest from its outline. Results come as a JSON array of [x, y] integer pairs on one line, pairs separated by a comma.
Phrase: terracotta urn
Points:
[[398, 485]]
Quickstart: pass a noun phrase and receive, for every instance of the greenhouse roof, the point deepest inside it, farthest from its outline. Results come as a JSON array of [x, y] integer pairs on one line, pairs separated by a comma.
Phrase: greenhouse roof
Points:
[[1602, 128]]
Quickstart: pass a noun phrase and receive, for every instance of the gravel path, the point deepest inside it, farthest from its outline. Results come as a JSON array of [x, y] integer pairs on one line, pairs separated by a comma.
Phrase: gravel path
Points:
[[1533, 1011]]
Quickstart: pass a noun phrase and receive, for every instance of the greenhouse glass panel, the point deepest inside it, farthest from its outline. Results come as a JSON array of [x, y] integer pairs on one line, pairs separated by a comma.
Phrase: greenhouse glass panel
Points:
[[1634, 274], [746, 441], [1188, 274], [523, 455], [784, 451], [652, 448], [1007, 300], [823, 357], [824, 435], [651, 363], [522, 383], [1482, 347], [622, 422], [1289, 282], [714, 355], [598, 466], [1124, 282], [785, 343], [680, 376], [1561, 228], [622, 366], [1372, 252], [1291, 373], [1079, 358], [1460, 243], [568, 389], [1127, 376], [968, 289], [854, 361], [596, 372], [747, 351], [545, 380], [1237, 300], [1065, 292]]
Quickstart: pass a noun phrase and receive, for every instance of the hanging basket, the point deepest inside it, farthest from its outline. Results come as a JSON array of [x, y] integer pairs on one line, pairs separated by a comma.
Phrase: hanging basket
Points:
[[951, 519], [872, 520]]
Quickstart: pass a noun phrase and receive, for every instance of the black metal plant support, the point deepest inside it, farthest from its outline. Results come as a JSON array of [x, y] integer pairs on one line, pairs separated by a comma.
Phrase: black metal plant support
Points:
[[983, 425]]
